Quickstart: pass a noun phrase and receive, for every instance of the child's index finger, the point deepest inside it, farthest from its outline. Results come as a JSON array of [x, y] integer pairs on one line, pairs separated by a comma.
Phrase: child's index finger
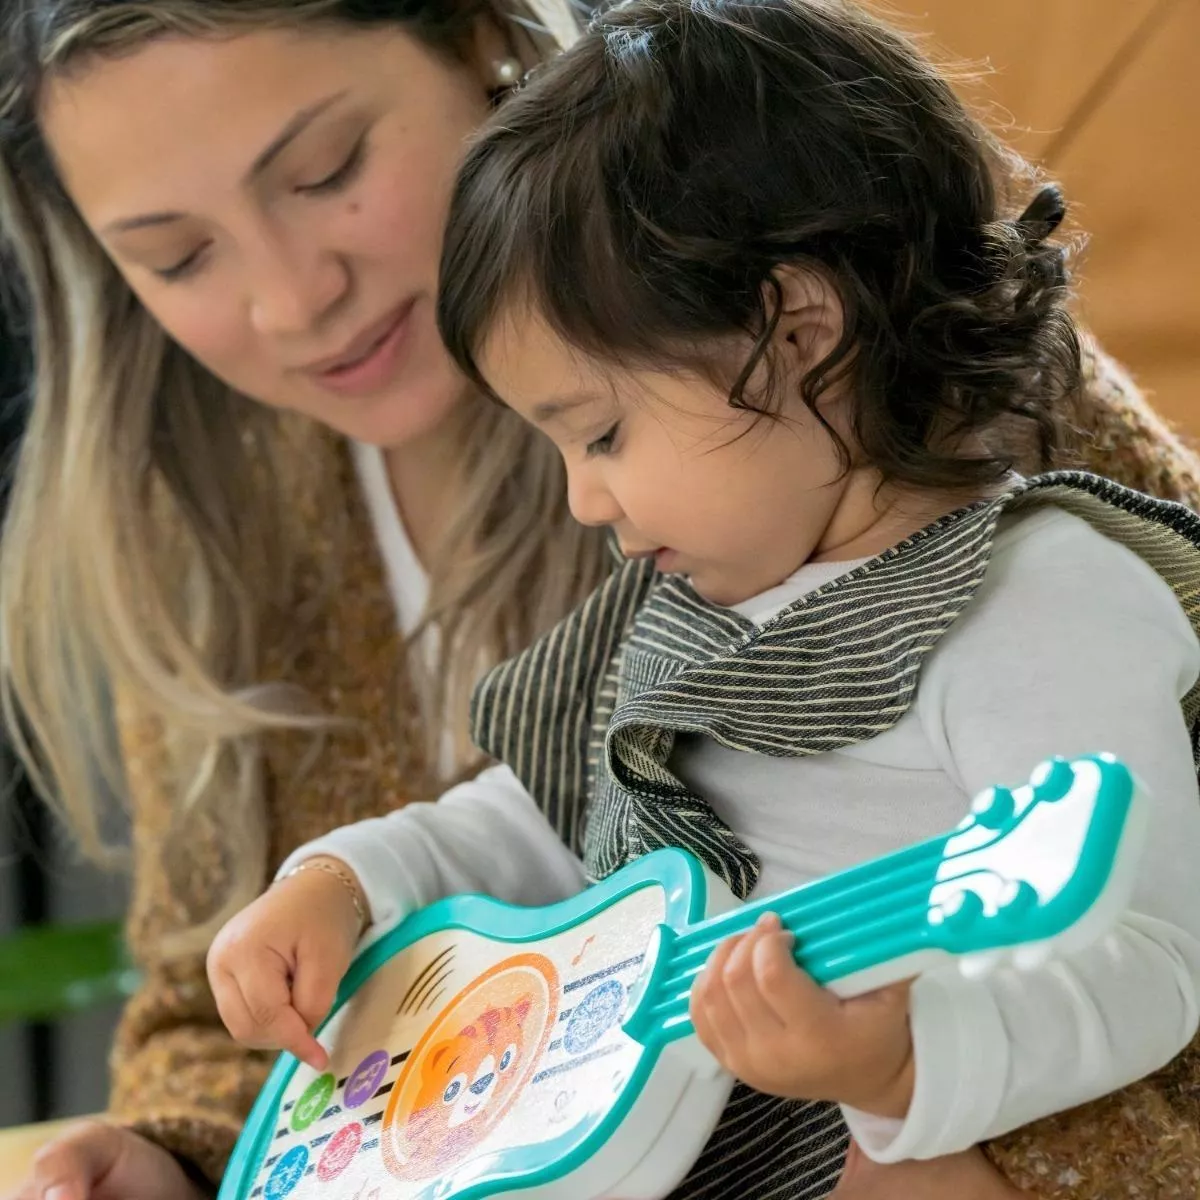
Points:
[[293, 1035]]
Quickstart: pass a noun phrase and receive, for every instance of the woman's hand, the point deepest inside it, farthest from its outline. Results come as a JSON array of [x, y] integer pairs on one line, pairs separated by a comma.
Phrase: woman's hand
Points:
[[965, 1176], [276, 966], [97, 1161]]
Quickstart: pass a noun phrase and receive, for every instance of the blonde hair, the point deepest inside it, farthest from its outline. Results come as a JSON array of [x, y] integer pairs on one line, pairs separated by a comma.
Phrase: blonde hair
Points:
[[130, 569]]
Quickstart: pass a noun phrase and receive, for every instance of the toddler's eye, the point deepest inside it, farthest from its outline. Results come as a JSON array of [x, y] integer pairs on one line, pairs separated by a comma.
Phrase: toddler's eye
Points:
[[604, 443]]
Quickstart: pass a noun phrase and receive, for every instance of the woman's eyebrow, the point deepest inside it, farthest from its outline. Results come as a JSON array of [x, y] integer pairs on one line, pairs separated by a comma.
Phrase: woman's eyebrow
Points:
[[292, 130], [288, 134]]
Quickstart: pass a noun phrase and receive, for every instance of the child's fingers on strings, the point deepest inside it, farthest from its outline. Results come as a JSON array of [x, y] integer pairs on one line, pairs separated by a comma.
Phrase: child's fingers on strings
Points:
[[714, 1021], [788, 991], [743, 985], [810, 1011], [706, 1031]]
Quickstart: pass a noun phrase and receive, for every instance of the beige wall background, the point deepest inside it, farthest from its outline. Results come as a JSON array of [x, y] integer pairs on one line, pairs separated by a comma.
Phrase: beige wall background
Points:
[[1105, 94]]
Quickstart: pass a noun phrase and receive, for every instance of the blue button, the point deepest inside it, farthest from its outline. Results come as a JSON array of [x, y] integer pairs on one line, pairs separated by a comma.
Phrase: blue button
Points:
[[594, 1016], [289, 1170]]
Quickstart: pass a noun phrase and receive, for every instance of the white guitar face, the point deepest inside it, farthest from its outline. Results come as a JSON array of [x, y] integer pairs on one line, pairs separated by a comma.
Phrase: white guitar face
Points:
[[456, 1052]]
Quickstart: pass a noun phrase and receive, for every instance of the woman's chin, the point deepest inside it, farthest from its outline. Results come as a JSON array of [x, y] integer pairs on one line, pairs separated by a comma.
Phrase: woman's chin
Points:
[[410, 417]]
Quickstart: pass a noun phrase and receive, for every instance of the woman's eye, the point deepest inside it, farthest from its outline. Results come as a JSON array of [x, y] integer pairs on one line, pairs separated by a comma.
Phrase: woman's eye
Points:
[[184, 267], [344, 174], [604, 443]]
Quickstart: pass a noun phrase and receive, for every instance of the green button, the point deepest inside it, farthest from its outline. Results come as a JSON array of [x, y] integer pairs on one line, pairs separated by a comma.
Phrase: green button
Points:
[[313, 1102]]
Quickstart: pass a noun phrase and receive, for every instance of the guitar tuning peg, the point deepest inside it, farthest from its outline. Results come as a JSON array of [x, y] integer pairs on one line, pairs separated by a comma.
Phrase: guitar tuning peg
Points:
[[1052, 779], [1018, 897], [993, 807], [958, 912]]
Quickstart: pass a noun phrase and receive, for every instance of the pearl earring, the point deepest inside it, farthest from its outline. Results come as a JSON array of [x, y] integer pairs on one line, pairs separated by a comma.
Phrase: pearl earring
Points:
[[506, 72]]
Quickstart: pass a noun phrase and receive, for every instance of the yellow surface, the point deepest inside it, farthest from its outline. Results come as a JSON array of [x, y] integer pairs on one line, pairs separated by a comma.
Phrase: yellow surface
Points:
[[1105, 94], [17, 1148]]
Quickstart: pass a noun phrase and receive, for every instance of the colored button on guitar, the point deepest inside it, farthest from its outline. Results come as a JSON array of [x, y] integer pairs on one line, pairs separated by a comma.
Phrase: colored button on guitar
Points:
[[594, 1016], [289, 1170], [365, 1079], [313, 1102], [340, 1152]]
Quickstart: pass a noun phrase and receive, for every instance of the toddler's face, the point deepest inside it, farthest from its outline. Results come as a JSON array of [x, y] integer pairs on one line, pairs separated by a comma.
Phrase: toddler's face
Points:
[[734, 501]]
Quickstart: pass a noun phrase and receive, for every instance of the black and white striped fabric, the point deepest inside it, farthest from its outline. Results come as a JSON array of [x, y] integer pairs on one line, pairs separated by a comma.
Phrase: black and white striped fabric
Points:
[[587, 719]]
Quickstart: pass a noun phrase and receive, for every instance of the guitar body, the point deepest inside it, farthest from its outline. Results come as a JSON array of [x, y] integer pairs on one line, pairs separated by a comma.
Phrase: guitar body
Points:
[[480, 1049]]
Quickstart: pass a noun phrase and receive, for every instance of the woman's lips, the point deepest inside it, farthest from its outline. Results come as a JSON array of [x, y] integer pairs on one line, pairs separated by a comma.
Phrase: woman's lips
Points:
[[368, 365]]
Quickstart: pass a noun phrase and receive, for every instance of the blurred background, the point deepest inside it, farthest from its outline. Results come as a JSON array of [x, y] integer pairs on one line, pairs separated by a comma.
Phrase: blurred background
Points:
[[1104, 93], [57, 1008]]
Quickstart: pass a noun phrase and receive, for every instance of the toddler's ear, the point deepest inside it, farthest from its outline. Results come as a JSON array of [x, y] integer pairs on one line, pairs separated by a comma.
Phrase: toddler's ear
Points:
[[811, 317]]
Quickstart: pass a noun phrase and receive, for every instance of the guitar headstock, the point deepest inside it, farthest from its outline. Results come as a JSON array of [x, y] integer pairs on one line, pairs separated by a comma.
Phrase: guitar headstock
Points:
[[1039, 868]]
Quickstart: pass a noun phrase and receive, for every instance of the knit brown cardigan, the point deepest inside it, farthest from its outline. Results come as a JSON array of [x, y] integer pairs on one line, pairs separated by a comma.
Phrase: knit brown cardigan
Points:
[[180, 1080]]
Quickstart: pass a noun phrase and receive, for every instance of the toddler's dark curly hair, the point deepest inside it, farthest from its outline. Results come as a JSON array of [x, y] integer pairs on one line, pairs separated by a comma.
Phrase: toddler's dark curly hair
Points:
[[643, 189]]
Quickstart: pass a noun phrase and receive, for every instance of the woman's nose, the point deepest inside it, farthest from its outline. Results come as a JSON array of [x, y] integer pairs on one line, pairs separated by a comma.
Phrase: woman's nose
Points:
[[293, 291]]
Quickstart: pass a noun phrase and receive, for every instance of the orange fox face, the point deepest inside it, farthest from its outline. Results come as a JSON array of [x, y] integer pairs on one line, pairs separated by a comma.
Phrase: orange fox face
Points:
[[465, 1083], [470, 1069], [466, 1074]]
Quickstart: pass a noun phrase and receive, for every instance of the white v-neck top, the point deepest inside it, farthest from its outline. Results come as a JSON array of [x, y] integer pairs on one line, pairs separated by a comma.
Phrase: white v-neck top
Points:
[[406, 578]]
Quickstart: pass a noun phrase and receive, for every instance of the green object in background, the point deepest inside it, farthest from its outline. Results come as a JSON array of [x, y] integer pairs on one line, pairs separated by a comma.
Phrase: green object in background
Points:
[[48, 971]]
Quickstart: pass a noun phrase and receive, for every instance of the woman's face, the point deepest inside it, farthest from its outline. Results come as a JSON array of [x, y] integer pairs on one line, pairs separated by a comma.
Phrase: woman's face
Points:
[[277, 201]]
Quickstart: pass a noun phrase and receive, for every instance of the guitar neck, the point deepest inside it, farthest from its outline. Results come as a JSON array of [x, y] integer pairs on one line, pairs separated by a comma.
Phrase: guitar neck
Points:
[[842, 924], [1049, 860]]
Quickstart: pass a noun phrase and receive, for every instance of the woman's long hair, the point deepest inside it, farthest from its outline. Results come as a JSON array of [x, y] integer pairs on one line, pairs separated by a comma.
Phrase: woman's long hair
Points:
[[153, 532]]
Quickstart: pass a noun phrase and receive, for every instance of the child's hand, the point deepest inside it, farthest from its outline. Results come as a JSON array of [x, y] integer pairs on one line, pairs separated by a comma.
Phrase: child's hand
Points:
[[276, 966], [769, 1024]]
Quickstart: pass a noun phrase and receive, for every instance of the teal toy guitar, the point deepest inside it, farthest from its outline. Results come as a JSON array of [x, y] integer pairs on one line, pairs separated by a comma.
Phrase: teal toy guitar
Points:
[[479, 1049]]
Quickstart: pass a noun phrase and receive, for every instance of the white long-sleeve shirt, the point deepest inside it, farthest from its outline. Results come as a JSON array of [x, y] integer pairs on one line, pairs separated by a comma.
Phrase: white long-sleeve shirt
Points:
[[1072, 645]]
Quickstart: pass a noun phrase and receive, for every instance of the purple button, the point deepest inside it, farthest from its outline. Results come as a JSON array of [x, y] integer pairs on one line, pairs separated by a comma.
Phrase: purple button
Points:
[[365, 1079]]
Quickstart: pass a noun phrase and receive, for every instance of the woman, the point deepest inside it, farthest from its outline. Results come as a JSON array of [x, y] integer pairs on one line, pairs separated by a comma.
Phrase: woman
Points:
[[254, 495]]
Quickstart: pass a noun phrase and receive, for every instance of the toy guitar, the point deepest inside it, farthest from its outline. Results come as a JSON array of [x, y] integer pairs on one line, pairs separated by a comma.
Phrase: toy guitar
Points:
[[480, 1049]]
